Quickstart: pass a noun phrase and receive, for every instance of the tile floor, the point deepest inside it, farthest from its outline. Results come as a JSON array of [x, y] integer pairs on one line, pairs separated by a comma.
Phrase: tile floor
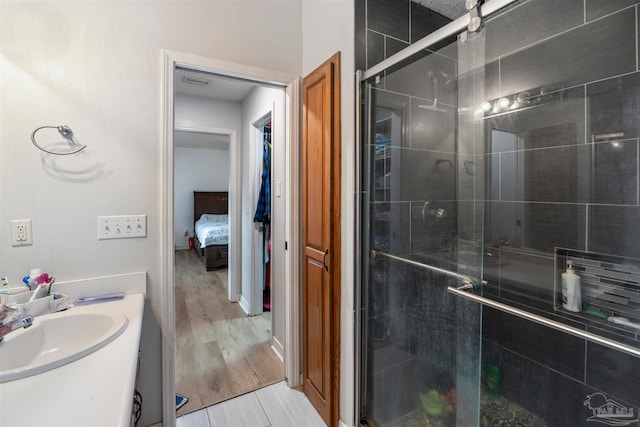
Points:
[[274, 406]]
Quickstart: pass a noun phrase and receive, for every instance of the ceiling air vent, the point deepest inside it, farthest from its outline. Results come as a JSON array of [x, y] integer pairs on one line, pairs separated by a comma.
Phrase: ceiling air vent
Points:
[[196, 81]]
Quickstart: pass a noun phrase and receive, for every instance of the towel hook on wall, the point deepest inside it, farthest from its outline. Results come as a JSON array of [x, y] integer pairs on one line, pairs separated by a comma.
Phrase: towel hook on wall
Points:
[[65, 131]]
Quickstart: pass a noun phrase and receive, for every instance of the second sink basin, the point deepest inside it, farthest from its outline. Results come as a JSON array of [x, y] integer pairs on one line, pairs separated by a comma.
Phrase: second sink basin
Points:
[[57, 339]]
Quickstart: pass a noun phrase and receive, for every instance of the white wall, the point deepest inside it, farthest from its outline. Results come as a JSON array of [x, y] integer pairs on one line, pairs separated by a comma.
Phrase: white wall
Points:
[[195, 170], [259, 101], [328, 27], [96, 66], [199, 112]]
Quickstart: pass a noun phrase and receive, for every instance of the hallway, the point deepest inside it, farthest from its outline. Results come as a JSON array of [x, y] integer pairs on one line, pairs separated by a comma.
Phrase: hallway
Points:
[[221, 352]]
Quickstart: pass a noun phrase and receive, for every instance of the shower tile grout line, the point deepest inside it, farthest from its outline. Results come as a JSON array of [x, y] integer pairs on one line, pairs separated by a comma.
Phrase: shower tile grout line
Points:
[[410, 35], [500, 176], [542, 365], [388, 35], [585, 361], [586, 117], [586, 226], [524, 48], [419, 97]]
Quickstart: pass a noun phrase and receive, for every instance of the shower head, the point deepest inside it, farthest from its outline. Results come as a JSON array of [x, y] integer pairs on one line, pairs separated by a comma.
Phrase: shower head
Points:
[[434, 90], [433, 107], [433, 75]]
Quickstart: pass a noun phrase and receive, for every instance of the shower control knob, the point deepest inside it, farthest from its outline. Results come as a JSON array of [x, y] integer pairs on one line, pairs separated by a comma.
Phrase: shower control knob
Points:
[[432, 216], [439, 213]]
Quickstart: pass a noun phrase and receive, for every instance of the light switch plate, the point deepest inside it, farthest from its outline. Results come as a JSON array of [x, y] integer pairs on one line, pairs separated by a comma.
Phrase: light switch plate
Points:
[[122, 227]]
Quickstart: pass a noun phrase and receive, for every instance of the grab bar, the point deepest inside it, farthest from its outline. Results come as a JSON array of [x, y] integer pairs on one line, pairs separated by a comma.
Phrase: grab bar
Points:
[[463, 292], [464, 280]]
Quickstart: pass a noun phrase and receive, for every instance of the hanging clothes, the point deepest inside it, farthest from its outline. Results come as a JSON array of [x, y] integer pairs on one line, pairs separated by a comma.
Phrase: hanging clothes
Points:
[[263, 209], [263, 215]]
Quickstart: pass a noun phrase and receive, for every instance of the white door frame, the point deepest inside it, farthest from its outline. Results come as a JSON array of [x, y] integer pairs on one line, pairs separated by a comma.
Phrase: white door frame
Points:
[[170, 60], [257, 253], [235, 214]]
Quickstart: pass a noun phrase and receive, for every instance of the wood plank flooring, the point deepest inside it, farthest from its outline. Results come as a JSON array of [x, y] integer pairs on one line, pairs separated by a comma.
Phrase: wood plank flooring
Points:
[[221, 352]]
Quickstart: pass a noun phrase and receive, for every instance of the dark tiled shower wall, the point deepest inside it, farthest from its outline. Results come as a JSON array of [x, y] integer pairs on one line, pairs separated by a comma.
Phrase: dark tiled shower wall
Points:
[[413, 158], [570, 176], [564, 181], [550, 373], [385, 27], [407, 356], [577, 190]]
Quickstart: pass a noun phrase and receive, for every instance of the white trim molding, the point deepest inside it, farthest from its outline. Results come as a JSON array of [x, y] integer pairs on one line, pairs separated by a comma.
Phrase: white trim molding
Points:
[[170, 60], [293, 344], [257, 274], [235, 206], [167, 256], [244, 304], [278, 349]]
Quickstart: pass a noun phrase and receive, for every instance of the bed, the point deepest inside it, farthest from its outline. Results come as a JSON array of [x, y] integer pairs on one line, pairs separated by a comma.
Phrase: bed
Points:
[[210, 218]]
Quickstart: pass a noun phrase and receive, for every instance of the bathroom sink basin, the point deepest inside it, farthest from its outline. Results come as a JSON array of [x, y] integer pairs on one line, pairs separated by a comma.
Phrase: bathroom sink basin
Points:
[[57, 339]]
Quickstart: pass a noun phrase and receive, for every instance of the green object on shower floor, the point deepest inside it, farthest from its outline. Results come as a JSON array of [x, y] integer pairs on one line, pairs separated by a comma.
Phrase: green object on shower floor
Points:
[[494, 412]]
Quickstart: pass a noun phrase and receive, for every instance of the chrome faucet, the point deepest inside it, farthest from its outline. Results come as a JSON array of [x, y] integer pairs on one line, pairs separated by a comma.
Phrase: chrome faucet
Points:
[[12, 325]]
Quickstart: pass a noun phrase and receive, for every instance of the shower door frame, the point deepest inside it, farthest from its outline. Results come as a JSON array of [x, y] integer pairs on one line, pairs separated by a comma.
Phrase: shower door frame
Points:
[[361, 77], [466, 284]]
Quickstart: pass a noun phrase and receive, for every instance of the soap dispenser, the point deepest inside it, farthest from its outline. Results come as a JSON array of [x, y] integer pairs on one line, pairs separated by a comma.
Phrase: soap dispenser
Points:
[[571, 293]]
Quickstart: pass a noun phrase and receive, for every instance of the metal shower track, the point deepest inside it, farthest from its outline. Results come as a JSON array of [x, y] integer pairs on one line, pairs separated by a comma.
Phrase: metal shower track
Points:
[[452, 28]]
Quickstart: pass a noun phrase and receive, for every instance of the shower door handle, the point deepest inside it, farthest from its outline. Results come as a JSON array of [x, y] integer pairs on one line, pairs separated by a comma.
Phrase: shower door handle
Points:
[[324, 260], [553, 324]]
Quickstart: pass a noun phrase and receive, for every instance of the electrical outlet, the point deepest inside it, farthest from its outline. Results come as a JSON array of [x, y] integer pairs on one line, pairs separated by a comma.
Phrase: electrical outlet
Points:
[[122, 227], [21, 232]]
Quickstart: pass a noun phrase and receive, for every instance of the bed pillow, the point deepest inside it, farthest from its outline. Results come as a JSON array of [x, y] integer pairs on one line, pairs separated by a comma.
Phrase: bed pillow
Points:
[[216, 219]]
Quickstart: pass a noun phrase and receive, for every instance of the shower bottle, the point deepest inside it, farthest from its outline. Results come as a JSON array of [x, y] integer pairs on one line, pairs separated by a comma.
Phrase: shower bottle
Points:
[[571, 293]]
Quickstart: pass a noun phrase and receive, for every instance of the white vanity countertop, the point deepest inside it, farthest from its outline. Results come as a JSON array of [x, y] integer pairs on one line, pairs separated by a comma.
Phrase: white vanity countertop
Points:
[[96, 390]]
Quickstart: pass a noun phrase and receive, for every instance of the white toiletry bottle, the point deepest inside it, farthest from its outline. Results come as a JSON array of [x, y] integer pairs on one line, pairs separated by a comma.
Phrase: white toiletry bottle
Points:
[[571, 294]]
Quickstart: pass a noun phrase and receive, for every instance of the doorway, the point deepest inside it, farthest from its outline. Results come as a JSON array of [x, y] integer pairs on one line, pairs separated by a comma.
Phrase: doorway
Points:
[[225, 349], [262, 153], [239, 205]]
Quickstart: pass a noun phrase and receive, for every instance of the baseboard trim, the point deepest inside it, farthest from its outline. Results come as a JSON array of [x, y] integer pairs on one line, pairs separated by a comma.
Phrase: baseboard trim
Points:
[[244, 304], [277, 348], [181, 247]]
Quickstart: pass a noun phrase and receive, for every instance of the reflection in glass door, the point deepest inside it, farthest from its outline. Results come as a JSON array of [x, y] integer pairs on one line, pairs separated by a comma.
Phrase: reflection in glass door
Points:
[[421, 344], [492, 170]]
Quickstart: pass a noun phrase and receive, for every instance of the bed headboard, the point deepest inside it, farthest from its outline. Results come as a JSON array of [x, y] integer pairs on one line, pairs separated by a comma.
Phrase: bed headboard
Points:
[[212, 202]]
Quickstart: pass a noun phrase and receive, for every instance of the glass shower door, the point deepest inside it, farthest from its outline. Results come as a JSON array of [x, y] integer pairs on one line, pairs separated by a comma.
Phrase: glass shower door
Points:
[[423, 233]]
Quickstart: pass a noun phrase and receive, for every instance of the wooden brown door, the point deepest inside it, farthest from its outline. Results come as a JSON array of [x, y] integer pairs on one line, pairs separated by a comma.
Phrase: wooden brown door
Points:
[[321, 237]]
